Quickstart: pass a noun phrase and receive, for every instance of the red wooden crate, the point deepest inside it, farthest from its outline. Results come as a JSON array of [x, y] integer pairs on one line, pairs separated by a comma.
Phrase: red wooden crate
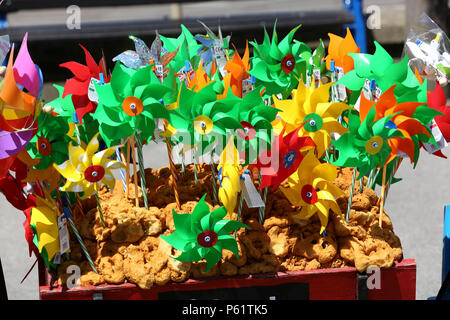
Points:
[[397, 283]]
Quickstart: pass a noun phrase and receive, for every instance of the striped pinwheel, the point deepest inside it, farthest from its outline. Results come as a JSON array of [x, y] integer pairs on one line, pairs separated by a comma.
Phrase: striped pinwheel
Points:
[[88, 170], [410, 118], [129, 104], [310, 106], [200, 119], [49, 145], [381, 67], [255, 118], [203, 234], [365, 146], [278, 66], [311, 188]]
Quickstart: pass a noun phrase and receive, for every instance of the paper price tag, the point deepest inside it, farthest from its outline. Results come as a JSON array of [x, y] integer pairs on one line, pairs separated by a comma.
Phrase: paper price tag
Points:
[[437, 134], [4, 47], [57, 258], [247, 86], [63, 234], [92, 93], [316, 73], [159, 128], [159, 70], [251, 195]]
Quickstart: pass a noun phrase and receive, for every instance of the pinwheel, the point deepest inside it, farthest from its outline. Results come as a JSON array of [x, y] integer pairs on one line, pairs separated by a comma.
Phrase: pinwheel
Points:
[[49, 145], [203, 234], [215, 48], [278, 66], [130, 102], [381, 67], [311, 107], [283, 158], [438, 101], [238, 71], [316, 65], [186, 56], [311, 188], [403, 119], [365, 146], [339, 49], [200, 119], [44, 223], [255, 118], [143, 56], [88, 170], [18, 107], [80, 85], [228, 175]]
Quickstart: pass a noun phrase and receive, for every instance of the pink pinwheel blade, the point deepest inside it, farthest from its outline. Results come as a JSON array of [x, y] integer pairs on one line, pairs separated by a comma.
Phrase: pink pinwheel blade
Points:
[[25, 71], [12, 142]]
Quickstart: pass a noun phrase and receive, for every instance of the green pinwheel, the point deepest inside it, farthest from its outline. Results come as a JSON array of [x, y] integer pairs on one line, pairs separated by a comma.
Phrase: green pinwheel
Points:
[[279, 66], [381, 67], [200, 119], [187, 52], [365, 146], [255, 118], [203, 234], [315, 62], [130, 102], [50, 142]]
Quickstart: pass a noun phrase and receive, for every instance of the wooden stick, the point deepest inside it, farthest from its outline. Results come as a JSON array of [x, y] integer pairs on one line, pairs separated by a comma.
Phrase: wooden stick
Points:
[[128, 166], [135, 172], [383, 190]]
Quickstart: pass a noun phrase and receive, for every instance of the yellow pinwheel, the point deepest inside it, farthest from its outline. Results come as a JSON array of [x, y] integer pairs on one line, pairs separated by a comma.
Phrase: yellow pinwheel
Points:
[[88, 170], [44, 222], [310, 106], [228, 176], [311, 188]]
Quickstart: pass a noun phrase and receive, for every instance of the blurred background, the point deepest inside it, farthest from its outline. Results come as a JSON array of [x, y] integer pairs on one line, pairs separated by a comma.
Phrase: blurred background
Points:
[[56, 27]]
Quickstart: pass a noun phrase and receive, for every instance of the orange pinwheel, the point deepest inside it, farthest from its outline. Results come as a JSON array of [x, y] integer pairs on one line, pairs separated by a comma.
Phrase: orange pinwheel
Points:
[[237, 71], [339, 49], [403, 119]]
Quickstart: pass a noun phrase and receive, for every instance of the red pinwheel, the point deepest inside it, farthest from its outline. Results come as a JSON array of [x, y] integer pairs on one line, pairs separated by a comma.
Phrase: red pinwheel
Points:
[[78, 86], [283, 159], [437, 101], [11, 186]]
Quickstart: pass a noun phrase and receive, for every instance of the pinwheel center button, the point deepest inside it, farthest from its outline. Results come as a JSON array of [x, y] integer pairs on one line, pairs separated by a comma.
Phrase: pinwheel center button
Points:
[[207, 238], [374, 145], [132, 106], [94, 173], [309, 194], [203, 124], [313, 122], [289, 159], [288, 63], [249, 131], [44, 146]]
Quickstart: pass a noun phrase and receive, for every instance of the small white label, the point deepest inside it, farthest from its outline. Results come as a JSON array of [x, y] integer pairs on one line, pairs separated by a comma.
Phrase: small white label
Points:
[[159, 70], [437, 134], [247, 86], [159, 128], [251, 195], [57, 258], [316, 77], [92, 93], [341, 91], [63, 234]]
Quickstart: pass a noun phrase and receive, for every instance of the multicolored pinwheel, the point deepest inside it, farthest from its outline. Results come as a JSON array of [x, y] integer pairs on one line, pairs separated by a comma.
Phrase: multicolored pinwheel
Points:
[[406, 118], [365, 146], [203, 234], [88, 170], [311, 188], [278, 66], [130, 102], [310, 106], [283, 159], [49, 145]]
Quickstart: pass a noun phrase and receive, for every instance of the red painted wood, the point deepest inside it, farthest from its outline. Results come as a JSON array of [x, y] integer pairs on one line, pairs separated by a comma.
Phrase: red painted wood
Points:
[[397, 283]]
